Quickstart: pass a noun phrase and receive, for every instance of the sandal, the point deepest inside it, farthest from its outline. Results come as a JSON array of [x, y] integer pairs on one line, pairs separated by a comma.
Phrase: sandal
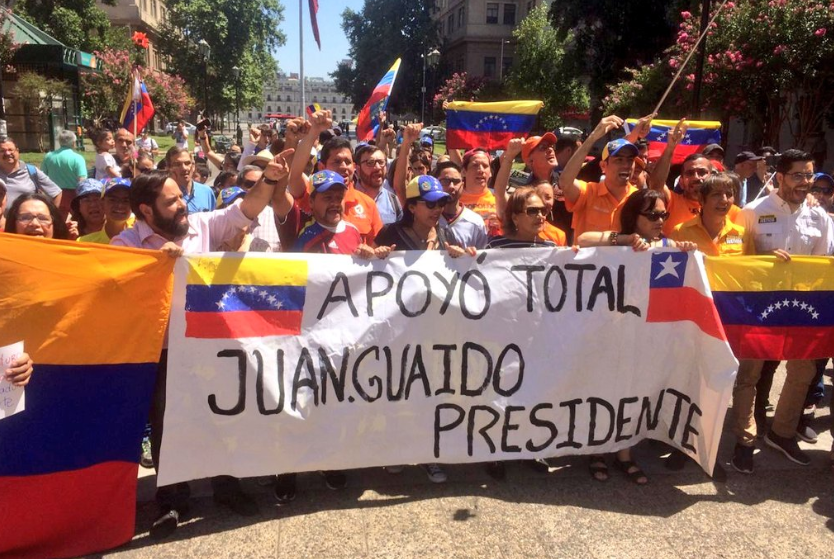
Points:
[[598, 468], [633, 471]]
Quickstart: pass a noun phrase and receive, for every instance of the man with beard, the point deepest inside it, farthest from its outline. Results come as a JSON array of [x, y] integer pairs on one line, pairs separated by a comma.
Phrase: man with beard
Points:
[[163, 223], [468, 228], [372, 171], [594, 204], [198, 196]]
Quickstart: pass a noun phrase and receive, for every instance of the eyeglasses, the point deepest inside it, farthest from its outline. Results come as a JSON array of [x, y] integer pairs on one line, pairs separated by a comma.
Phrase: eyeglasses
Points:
[[697, 173], [373, 163], [435, 204], [246, 185], [821, 190], [448, 181], [535, 211], [43, 219], [654, 216], [807, 177]]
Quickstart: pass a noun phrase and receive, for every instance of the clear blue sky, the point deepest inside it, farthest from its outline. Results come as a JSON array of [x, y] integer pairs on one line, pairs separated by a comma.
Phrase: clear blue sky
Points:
[[334, 44]]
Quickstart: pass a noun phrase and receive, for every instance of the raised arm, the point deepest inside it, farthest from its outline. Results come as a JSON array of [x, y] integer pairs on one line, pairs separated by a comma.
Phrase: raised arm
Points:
[[261, 194], [641, 129], [410, 134], [215, 158], [657, 180], [567, 180], [319, 122], [502, 179]]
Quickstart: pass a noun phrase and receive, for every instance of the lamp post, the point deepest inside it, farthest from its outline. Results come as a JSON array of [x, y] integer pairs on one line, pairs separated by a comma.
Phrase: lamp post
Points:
[[204, 50], [432, 58], [501, 60], [236, 74]]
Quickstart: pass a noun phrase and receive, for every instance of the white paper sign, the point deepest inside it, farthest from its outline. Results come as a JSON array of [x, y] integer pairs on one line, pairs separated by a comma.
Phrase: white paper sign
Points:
[[422, 358], [12, 398]]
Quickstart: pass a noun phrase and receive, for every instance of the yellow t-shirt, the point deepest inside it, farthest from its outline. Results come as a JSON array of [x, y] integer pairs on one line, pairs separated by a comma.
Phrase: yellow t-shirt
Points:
[[732, 239], [101, 237]]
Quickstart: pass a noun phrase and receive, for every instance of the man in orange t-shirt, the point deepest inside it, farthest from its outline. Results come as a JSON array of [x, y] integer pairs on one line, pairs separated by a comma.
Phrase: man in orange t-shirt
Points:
[[476, 195], [594, 204]]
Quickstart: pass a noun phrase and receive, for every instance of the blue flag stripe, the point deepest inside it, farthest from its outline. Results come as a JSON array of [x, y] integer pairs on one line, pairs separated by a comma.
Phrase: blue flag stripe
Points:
[[221, 298], [489, 122], [759, 308]]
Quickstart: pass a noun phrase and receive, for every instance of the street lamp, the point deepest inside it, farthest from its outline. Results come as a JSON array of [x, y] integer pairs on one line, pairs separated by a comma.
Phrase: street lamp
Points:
[[236, 74], [501, 60], [432, 58], [204, 50]]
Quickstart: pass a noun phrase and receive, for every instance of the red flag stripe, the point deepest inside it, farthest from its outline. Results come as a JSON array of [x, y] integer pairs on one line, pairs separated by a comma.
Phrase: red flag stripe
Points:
[[685, 303]]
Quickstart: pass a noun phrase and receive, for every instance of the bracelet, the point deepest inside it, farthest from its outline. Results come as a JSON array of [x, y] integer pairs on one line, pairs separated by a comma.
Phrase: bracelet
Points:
[[270, 182], [612, 237]]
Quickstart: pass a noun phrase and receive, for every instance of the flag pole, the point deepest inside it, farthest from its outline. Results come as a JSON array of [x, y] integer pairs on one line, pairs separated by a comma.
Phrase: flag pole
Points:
[[135, 118], [301, 53]]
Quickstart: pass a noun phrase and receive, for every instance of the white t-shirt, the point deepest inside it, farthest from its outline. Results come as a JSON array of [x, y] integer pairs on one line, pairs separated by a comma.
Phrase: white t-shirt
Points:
[[148, 145], [181, 138], [104, 161]]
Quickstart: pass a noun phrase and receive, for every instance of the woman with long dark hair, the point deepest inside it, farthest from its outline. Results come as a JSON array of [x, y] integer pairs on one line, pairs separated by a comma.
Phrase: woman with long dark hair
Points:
[[34, 214]]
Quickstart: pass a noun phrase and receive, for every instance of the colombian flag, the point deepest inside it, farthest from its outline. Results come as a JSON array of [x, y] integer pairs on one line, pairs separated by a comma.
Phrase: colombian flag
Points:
[[775, 310], [367, 122], [489, 125], [700, 134], [244, 298], [93, 319]]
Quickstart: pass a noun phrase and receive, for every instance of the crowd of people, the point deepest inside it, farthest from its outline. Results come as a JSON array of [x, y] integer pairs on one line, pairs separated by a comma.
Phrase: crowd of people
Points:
[[313, 190]]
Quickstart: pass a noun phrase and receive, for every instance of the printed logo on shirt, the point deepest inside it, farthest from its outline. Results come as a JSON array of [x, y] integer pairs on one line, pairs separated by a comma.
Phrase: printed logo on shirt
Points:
[[732, 240], [358, 209], [767, 219]]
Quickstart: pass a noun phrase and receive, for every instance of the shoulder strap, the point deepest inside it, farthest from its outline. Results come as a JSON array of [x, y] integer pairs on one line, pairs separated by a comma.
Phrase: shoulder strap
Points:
[[33, 174]]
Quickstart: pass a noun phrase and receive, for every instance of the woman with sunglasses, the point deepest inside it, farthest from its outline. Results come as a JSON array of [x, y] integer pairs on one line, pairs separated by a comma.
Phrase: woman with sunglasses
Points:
[[642, 219], [34, 215], [524, 219]]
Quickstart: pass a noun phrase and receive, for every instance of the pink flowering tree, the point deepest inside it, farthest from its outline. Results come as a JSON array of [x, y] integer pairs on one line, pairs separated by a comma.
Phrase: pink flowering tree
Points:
[[769, 62], [459, 87]]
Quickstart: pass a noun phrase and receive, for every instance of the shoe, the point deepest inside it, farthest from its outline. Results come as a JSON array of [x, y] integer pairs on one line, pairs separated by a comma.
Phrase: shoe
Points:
[[165, 525], [394, 469], [496, 470], [805, 433], [809, 411], [238, 502], [676, 461], [284, 489], [538, 465], [632, 471], [146, 460], [435, 473], [769, 408], [788, 447], [598, 468], [743, 459], [335, 479]]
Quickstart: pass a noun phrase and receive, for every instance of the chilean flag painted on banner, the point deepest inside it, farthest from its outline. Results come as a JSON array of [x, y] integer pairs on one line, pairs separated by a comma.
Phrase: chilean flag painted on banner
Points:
[[489, 125], [700, 134], [137, 105], [368, 121]]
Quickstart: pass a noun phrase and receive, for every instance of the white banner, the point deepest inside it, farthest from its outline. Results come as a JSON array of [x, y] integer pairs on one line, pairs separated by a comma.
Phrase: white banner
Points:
[[288, 363]]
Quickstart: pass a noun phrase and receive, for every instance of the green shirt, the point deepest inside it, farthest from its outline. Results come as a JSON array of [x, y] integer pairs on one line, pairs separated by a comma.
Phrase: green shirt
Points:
[[64, 167]]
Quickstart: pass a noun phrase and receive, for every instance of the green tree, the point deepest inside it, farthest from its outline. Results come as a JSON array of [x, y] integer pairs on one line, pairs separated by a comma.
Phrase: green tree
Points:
[[241, 33], [607, 36], [381, 32], [541, 70], [771, 63], [79, 24], [37, 94]]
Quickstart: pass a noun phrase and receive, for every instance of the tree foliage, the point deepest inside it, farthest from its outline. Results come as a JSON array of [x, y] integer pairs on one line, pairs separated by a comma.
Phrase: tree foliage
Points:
[[771, 63], [241, 33], [459, 87], [541, 70], [79, 24], [607, 36], [381, 32], [37, 93]]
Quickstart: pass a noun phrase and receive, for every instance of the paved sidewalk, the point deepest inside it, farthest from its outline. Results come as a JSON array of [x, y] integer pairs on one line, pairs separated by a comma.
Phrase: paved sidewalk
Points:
[[780, 512]]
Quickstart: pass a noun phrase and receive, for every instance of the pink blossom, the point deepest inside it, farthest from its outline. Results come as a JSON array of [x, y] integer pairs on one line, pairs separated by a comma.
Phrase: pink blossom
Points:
[[731, 5], [686, 15], [820, 32], [780, 49]]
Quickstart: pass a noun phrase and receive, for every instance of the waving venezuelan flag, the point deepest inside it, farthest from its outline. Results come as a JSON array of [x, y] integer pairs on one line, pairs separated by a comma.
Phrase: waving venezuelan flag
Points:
[[699, 134], [489, 125], [93, 319], [773, 309]]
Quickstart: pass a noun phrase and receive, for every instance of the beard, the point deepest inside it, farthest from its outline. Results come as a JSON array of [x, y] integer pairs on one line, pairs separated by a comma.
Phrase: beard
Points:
[[171, 226]]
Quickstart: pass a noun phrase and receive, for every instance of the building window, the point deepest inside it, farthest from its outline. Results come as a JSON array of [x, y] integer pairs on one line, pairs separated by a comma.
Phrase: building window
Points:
[[268, 97], [260, 116], [489, 66], [315, 98], [460, 17], [509, 14], [343, 110], [288, 99], [250, 115], [153, 8], [269, 108], [451, 24], [505, 66], [492, 12]]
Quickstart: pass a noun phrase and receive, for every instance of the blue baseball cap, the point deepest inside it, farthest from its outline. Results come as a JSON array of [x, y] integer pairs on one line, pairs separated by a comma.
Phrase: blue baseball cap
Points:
[[322, 181], [824, 177], [426, 141], [87, 187], [614, 147], [230, 194], [113, 184], [425, 187]]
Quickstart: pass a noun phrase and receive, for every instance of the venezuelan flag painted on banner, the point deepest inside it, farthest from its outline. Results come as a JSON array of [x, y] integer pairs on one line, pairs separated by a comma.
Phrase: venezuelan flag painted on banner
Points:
[[700, 134], [93, 319], [244, 298], [367, 123], [775, 310], [489, 125]]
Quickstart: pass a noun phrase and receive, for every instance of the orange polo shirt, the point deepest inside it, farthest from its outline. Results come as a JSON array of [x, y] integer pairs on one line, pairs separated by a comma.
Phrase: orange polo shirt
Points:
[[595, 208], [483, 204], [553, 233], [681, 209], [731, 240], [360, 210]]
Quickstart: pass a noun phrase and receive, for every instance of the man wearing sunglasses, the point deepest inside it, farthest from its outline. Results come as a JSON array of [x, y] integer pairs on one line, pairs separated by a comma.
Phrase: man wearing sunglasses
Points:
[[465, 226], [264, 233], [782, 224], [823, 191]]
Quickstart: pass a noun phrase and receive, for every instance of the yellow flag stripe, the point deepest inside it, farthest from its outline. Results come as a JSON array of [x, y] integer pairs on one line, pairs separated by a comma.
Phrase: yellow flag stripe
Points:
[[705, 124], [767, 273], [506, 107], [243, 270]]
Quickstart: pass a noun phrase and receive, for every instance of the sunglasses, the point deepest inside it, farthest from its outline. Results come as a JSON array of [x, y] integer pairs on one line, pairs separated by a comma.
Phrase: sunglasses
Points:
[[654, 216], [535, 211], [448, 181], [826, 191], [246, 185], [435, 204]]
